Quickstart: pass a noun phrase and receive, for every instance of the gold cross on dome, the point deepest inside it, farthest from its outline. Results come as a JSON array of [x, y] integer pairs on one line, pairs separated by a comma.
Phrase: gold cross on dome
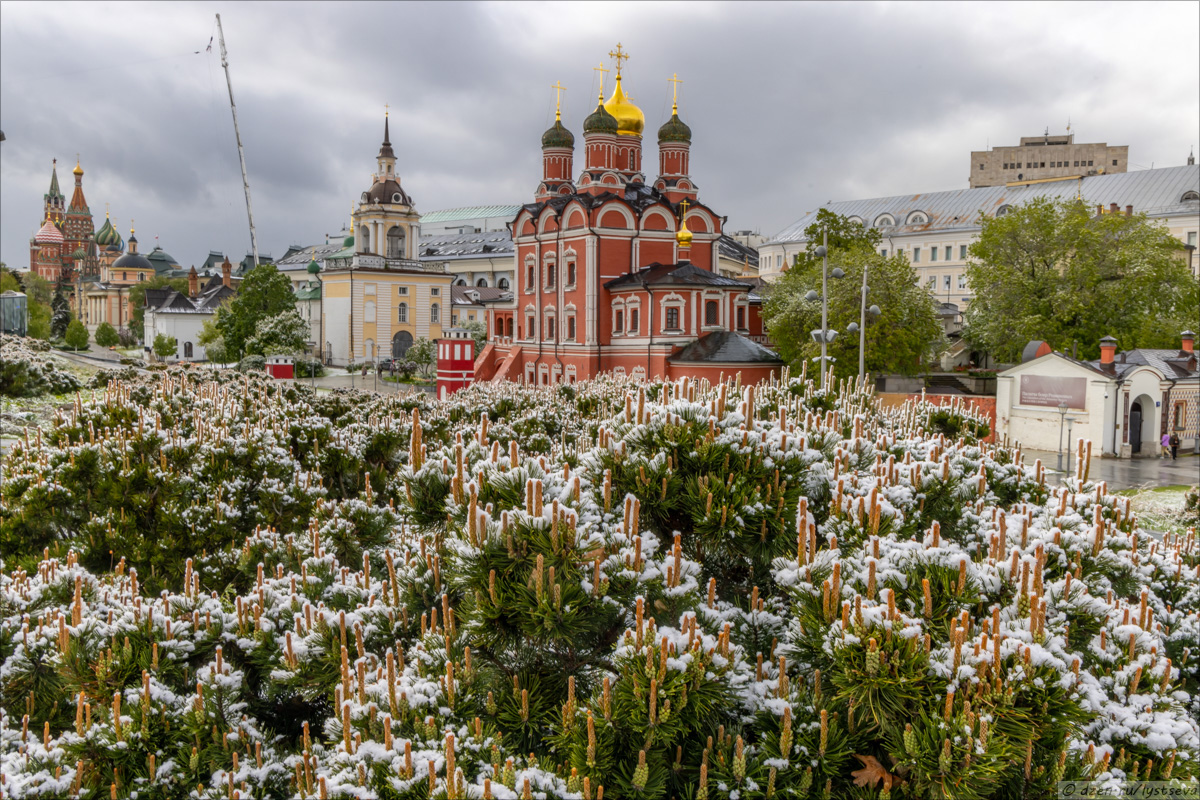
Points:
[[683, 205], [674, 79], [618, 56], [558, 90], [602, 70], [386, 108]]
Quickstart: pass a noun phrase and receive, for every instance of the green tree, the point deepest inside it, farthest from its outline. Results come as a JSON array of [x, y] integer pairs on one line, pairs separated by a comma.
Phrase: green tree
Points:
[[39, 320], [213, 342], [106, 335], [77, 335], [478, 331], [38, 289], [165, 346], [9, 282], [265, 292], [1058, 272], [137, 297], [60, 314], [906, 331], [282, 334], [423, 354]]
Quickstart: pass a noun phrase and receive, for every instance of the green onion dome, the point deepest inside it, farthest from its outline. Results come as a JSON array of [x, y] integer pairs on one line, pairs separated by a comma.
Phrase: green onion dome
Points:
[[600, 121], [558, 136], [107, 235], [79, 253], [674, 130], [313, 266]]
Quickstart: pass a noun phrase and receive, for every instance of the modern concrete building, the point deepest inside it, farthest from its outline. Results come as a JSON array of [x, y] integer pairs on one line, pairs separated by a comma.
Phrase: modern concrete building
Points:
[[1040, 157]]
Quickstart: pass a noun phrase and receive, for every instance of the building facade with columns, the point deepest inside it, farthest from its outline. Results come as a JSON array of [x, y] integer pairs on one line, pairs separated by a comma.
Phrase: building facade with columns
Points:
[[935, 229], [617, 271], [377, 297]]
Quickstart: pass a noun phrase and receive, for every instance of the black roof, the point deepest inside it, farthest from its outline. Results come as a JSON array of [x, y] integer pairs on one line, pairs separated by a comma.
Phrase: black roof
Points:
[[726, 347], [681, 274]]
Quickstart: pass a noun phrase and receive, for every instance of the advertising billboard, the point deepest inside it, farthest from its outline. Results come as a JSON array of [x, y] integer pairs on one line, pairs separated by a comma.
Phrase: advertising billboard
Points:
[[1043, 390]]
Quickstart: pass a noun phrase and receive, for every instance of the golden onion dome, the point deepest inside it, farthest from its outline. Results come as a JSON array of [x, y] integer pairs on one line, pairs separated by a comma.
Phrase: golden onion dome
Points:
[[630, 119], [683, 236], [78, 169]]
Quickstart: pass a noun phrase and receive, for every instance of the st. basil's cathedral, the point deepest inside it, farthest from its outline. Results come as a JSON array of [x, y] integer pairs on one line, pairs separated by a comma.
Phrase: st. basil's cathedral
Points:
[[619, 273]]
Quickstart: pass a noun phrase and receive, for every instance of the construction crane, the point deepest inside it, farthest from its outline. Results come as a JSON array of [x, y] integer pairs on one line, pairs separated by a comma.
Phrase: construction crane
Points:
[[237, 135]]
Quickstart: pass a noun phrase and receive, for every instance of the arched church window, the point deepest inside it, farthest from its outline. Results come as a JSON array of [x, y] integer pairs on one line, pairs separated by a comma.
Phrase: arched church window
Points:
[[481, 283], [435, 313], [1190, 197], [403, 312], [710, 312], [502, 284], [396, 242]]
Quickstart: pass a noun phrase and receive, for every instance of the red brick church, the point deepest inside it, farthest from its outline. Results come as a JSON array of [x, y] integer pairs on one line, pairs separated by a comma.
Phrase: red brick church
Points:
[[617, 273]]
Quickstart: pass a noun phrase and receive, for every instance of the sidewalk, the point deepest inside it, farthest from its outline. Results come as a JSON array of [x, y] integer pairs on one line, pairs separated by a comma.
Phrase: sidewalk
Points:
[[1126, 473], [337, 378]]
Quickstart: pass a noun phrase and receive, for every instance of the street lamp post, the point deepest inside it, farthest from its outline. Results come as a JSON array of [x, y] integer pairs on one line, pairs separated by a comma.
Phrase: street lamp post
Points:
[[1062, 416], [860, 327], [1070, 422], [824, 335]]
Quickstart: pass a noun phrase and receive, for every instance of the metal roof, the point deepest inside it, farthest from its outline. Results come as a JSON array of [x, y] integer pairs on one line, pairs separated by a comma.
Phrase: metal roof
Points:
[[726, 347], [455, 246], [470, 212], [1156, 192], [301, 258], [734, 250]]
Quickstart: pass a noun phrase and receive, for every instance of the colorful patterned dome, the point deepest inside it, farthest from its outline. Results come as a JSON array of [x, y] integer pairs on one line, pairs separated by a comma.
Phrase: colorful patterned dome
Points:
[[79, 253], [48, 234], [107, 235]]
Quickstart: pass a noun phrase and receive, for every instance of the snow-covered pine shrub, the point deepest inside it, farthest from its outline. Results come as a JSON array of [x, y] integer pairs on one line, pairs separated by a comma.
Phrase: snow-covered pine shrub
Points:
[[685, 591], [27, 370]]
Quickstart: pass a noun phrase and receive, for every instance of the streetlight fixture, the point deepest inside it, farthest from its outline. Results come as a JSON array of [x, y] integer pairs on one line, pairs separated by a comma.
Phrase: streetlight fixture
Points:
[[823, 334], [1062, 416]]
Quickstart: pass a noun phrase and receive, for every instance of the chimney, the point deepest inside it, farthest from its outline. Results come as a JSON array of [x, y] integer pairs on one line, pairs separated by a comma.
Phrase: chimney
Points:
[[226, 273], [1108, 350], [1113, 208], [193, 283], [1187, 342], [1099, 209], [1129, 211]]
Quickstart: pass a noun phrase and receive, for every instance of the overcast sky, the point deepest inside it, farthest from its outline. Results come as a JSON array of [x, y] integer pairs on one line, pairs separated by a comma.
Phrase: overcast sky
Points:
[[790, 105]]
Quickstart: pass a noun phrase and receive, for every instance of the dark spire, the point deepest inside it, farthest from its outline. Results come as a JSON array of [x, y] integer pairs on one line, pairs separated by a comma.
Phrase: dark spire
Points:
[[54, 190], [385, 150]]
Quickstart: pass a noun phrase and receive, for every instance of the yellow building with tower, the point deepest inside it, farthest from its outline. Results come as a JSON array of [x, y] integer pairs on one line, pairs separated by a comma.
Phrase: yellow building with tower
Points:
[[377, 298]]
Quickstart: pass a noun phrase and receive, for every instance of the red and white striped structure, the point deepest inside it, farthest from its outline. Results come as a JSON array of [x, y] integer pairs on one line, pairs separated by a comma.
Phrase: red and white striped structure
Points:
[[455, 362]]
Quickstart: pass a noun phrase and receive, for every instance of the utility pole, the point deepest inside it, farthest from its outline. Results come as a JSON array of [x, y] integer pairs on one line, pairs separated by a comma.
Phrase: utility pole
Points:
[[824, 306], [237, 135]]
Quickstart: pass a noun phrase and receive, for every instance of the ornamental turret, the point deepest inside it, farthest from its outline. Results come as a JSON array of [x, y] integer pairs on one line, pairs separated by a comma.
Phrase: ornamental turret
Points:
[[558, 153], [674, 153], [627, 155]]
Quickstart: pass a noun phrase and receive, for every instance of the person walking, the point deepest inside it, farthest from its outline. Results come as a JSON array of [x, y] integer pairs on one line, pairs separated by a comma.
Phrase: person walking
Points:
[[1166, 445], [1174, 446]]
